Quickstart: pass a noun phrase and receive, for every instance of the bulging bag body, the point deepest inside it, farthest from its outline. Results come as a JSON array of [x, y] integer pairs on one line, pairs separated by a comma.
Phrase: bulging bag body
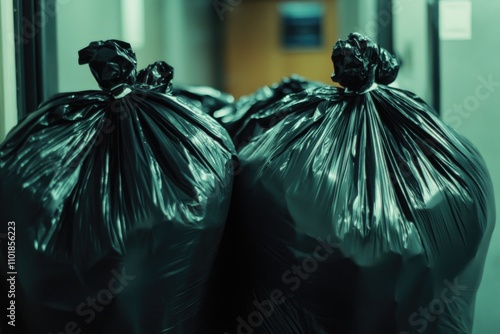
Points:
[[357, 211], [119, 199]]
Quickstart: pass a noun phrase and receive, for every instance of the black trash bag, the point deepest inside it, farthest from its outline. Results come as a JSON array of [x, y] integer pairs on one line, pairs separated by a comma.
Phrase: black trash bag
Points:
[[157, 77], [119, 199], [239, 119], [357, 211], [208, 99]]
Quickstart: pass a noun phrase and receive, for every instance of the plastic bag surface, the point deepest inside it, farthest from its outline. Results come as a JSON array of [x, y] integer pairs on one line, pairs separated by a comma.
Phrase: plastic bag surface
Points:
[[356, 210], [119, 199], [241, 113], [208, 99]]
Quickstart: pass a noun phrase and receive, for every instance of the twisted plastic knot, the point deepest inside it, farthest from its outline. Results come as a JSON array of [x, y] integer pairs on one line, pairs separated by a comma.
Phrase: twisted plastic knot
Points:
[[113, 64], [359, 63]]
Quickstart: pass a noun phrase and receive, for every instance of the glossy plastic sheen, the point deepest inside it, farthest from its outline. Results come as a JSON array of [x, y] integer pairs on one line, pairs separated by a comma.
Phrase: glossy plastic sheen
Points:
[[208, 99], [238, 118], [359, 63], [120, 198], [356, 211]]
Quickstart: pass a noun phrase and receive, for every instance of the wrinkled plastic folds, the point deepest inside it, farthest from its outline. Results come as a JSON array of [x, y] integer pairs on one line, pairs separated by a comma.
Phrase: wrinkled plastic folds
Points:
[[359, 63], [241, 113], [356, 211], [157, 77], [208, 99], [119, 198]]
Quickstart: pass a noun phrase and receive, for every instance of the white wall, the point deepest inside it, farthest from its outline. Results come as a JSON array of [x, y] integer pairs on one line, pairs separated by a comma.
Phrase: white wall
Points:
[[189, 40], [8, 103], [411, 45], [80, 22], [358, 16], [176, 31]]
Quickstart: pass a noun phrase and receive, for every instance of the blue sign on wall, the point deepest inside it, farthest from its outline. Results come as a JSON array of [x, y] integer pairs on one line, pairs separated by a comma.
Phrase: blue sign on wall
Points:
[[302, 24]]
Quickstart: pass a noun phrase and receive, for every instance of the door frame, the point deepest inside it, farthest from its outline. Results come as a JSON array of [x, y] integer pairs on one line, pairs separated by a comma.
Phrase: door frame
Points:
[[35, 38]]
